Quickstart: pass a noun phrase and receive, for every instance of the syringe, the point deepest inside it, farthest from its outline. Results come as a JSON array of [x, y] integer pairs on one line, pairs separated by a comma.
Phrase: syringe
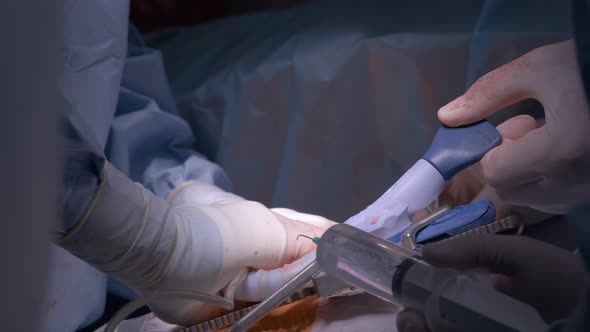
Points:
[[397, 275]]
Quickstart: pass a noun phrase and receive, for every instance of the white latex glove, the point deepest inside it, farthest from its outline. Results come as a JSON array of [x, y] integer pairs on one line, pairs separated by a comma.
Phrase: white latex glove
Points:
[[197, 193], [200, 193], [547, 168], [259, 284], [151, 245]]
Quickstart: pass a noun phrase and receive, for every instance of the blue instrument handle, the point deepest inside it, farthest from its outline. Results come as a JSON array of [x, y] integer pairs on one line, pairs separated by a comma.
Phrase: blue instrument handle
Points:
[[454, 149]]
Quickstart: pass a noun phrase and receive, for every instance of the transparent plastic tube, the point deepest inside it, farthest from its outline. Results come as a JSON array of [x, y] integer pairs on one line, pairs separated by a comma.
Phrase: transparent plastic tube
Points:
[[448, 298], [134, 305], [387, 216], [418, 187], [261, 284], [354, 257]]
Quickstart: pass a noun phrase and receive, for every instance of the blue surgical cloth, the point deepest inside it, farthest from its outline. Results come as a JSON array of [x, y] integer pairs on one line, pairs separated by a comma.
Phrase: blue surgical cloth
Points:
[[332, 102], [119, 108], [116, 106], [318, 108]]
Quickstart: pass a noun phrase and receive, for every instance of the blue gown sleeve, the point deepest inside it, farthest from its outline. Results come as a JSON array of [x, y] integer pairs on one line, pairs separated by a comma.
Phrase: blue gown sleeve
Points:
[[118, 107], [148, 140]]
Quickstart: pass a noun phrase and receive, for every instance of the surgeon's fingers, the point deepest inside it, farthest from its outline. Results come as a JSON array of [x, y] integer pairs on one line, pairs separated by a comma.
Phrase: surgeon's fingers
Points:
[[299, 235], [511, 129], [508, 165], [516, 127], [534, 195], [518, 162], [461, 189], [494, 91], [411, 321], [489, 193], [496, 253], [469, 185]]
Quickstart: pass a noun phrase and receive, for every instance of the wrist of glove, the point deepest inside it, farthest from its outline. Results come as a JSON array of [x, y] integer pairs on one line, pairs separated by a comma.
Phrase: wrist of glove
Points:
[[546, 277], [151, 244], [200, 193]]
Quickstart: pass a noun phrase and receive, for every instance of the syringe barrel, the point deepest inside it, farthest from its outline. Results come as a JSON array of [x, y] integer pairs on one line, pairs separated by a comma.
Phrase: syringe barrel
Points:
[[399, 276], [362, 260], [415, 283]]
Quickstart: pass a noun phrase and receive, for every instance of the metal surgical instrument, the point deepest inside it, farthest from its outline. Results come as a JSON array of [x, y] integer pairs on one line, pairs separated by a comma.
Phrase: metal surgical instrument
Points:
[[264, 307]]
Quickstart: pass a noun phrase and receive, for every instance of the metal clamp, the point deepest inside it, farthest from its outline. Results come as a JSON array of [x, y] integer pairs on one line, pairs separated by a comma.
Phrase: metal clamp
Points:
[[264, 307], [408, 239]]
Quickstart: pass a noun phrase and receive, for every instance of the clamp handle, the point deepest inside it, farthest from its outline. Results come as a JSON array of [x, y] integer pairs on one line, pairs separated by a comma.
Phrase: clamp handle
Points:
[[454, 149]]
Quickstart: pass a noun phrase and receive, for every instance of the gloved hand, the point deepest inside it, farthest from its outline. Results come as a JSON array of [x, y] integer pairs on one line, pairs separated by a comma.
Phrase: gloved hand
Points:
[[151, 244], [547, 277], [470, 184], [548, 167], [202, 193]]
